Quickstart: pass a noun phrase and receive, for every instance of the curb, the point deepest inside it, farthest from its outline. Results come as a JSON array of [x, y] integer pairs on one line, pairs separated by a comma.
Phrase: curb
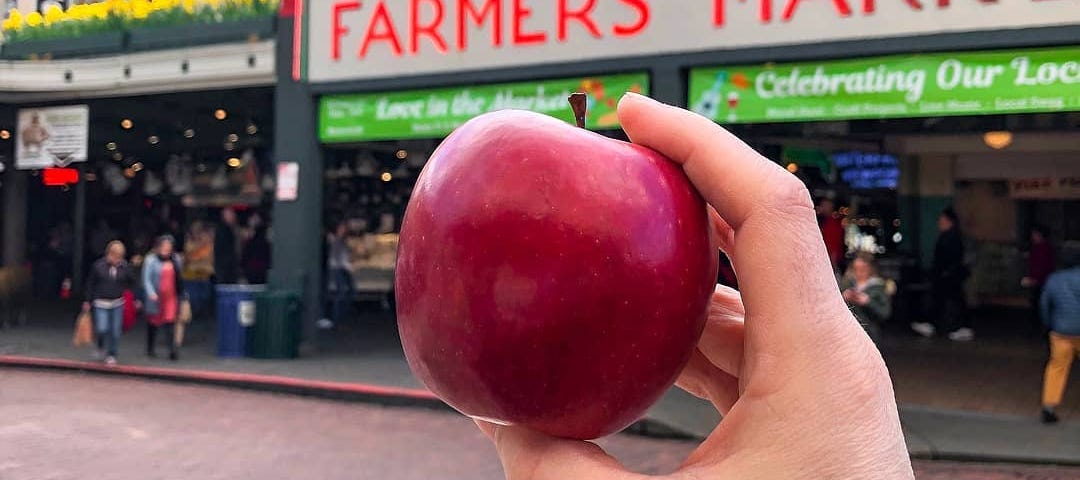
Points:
[[341, 391], [353, 392], [998, 459]]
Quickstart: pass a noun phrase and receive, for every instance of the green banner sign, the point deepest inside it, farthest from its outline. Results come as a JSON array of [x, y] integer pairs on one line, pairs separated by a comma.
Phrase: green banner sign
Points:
[[1016, 81], [434, 113]]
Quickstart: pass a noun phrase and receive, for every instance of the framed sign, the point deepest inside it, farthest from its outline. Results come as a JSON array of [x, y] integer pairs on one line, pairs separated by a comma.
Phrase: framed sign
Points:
[[52, 137]]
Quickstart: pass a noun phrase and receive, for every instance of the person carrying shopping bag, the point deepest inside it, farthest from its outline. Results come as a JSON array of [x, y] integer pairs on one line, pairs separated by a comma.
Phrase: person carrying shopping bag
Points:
[[164, 291], [106, 283]]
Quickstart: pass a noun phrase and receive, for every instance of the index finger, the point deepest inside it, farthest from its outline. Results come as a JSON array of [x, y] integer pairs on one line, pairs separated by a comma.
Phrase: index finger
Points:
[[785, 276]]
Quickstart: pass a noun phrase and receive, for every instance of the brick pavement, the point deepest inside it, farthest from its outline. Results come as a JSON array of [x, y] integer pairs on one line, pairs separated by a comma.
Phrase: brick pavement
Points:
[[996, 374], [990, 375], [64, 425]]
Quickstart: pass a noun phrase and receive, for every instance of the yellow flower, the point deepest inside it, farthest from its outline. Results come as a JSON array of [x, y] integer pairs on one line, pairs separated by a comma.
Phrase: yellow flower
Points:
[[34, 19], [189, 6], [78, 12], [99, 10], [53, 14], [14, 20], [119, 8], [140, 9]]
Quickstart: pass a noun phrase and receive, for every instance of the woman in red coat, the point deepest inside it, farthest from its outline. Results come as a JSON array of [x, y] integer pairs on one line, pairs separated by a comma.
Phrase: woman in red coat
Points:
[[164, 289]]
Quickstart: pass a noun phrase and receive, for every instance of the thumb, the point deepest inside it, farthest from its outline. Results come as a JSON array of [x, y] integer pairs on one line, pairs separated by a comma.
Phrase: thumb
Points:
[[529, 455]]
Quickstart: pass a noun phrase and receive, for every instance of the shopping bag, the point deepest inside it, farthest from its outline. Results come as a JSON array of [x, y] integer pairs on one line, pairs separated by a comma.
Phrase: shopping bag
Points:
[[84, 330], [185, 311], [129, 310]]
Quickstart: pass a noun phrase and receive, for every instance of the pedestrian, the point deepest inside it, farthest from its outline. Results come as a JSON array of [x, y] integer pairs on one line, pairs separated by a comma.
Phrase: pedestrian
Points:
[[163, 289], [1060, 310], [256, 257], [832, 232], [109, 277], [803, 392], [948, 274], [866, 293], [225, 248], [1041, 263], [339, 274]]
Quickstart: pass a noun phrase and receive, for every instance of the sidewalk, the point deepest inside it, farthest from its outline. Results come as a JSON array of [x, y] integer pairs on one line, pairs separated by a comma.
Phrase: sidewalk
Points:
[[959, 401]]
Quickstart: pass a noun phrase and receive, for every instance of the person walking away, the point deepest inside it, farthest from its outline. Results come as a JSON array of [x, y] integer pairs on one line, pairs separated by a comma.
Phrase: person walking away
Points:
[[1060, 310], [832, 231], [256, 257], [948, 274], [108, 279], [866, 294], [339, 271], [225, 262], [1041, 263], [163, 289]]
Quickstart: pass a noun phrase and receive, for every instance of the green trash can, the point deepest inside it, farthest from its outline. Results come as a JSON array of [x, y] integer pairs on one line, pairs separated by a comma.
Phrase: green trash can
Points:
[[276, 332]]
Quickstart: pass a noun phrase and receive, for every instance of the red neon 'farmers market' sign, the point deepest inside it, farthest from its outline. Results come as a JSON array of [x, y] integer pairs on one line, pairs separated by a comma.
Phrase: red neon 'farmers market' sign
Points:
[[368, 38]]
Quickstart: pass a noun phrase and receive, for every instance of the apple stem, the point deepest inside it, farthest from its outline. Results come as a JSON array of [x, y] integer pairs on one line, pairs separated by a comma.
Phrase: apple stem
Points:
[[579, 104]]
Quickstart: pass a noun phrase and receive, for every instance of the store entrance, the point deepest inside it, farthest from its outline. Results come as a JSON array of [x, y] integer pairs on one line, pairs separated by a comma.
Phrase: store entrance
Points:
[[159, 165], [1004, 175]]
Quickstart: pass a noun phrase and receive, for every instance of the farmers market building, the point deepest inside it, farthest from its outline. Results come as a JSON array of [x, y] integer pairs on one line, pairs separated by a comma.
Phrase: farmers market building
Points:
[[890, 107], [895, 108]]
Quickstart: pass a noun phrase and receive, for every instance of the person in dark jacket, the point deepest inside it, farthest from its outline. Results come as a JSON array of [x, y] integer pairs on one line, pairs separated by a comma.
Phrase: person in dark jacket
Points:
[[1041, 263], [948, 274], [256, 258], [225, 248], [106, 282], [1060, 311], [866, 294]]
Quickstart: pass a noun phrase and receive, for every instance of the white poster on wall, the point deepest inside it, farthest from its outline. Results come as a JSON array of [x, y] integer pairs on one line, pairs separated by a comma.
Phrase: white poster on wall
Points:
[[52, 136], [288, 181]]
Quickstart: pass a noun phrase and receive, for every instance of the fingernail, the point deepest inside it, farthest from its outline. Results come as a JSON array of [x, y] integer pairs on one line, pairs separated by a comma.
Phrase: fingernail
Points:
[[634, 96]]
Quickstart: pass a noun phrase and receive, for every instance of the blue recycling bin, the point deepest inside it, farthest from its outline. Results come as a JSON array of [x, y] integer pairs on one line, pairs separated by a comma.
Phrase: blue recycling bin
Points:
[[235, 314]]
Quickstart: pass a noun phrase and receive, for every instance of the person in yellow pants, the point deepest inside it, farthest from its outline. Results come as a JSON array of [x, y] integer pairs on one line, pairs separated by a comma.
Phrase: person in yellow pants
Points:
[[1060, 309]]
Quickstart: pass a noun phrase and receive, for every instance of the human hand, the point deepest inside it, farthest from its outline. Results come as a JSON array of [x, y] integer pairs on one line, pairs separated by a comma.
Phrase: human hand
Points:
[[861, 298], [803, 390]]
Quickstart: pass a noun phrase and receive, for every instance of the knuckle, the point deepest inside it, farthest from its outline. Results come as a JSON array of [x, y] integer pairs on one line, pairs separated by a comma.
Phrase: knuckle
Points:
[[789, 194]]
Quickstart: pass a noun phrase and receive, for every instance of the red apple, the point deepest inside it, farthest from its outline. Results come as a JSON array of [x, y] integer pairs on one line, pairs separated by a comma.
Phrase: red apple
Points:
[[551, 277]]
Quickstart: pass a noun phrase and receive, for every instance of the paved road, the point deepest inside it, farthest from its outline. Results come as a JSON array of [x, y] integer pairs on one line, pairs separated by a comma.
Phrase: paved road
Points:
[[72, 426]]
